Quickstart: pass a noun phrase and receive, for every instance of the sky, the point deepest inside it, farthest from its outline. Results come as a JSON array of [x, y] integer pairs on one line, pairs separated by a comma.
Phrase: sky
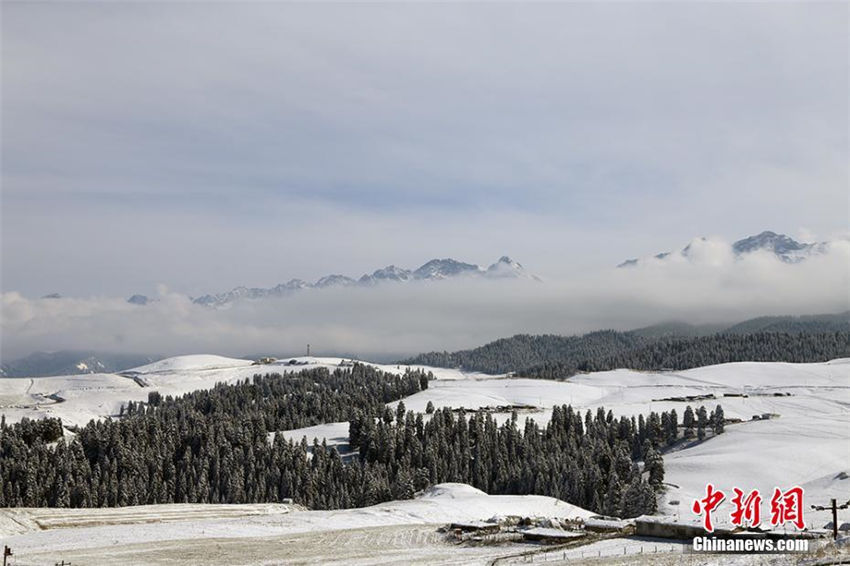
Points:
[[187, 148]]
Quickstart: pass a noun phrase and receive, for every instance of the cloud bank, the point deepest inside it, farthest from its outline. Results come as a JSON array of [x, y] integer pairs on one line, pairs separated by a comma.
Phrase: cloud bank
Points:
[[393, 320]]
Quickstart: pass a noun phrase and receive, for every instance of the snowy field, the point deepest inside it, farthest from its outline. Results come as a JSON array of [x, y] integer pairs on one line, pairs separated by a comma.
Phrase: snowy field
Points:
[[806, 443], [77, 399], [268, 534]]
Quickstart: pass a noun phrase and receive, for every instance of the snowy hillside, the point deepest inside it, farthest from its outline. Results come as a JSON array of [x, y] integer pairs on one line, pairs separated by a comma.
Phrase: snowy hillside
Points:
[[190, 363], [77, 399], [251, 534], [805, 441]]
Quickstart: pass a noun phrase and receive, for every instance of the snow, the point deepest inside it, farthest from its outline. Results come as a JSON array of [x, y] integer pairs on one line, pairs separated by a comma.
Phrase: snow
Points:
[[476, 393], [609, 524], [335, 435], [100, 395], [193, 362], [806, 444], [810, 451], [452, 491], [78, 532]]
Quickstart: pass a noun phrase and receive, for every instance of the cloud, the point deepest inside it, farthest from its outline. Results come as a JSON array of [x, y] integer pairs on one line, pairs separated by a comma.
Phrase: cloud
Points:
[[202, 143], [395, 320]]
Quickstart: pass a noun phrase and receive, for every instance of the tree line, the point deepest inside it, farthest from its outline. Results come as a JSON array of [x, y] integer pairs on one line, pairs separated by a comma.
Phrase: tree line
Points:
[[558, 357], [686, 353]]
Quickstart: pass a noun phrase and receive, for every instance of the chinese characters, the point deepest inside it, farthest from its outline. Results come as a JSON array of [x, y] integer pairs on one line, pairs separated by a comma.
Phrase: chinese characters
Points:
[[785, 507]]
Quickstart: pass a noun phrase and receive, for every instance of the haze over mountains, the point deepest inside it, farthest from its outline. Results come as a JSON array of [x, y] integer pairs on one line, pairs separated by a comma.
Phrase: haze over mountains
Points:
[[783, 247], [780, 246], [670, 345], [444, 304], [434, 270], [700, 250], [74, 362], [71, 362]]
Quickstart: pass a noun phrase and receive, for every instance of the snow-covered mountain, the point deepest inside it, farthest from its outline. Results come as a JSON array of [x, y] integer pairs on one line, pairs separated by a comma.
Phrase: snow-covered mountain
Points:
[[508, 268], [335, 280], [444, 268], [434, 270], [783, 247], [240, 293], [787, 249], [388, 273]]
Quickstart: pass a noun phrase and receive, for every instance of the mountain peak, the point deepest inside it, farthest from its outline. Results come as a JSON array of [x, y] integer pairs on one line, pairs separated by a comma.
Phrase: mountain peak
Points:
[[784, 247], [780, 244], [505, 267], [443, 268], [388, 273], [433, 270], [333, 280]]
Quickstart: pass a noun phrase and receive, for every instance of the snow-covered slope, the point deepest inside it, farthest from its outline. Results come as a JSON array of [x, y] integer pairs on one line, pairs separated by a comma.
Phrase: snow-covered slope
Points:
[[77, 399], [169, 533], [806, 442], [811, 451], [190, 363]]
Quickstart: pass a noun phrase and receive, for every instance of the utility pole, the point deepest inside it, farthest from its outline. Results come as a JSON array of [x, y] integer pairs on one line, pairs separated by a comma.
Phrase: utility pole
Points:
[[7, 552], [835, 507]]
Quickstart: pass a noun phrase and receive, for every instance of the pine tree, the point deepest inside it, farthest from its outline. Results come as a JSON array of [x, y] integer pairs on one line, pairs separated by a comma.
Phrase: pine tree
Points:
[[702, 421], [632, 503], [719, 420], [673, 431], [611, 504], [688, 421], [655, 466]]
